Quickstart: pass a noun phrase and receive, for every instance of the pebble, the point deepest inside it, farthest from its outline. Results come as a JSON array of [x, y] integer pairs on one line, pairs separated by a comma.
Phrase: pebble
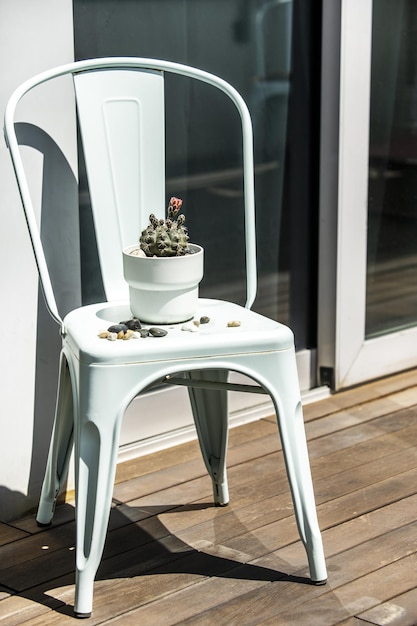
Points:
[[190, 327], [204, 319], [133, 324], [157, 332], [122, 331], [138, 252], [233, 324], [117, 328]]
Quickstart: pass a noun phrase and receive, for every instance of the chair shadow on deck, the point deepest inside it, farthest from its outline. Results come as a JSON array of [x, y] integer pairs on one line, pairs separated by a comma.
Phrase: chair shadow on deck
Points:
[[139, 544]]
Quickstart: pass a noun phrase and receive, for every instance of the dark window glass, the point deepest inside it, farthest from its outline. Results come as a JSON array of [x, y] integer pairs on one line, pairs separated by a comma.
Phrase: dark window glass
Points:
[[267, 49]]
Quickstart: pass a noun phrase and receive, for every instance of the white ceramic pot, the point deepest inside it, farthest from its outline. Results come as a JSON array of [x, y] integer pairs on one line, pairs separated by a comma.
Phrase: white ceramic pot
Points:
[[163, 290]]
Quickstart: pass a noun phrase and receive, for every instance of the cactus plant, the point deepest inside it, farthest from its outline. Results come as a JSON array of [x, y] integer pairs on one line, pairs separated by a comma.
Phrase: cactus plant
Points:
[[166, 237], [164, 271]]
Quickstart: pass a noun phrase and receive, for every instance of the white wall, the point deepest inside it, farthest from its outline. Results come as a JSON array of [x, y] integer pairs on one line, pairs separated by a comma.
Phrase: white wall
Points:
[[34, 36]]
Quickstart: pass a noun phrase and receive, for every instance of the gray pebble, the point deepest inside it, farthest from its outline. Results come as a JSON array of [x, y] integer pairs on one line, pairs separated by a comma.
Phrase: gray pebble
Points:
[[133, 324], [117, 328], [204, 319], [157, 332]]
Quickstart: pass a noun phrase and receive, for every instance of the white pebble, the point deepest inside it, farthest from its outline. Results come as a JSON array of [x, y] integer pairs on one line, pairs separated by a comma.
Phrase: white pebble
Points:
[[112, 336], [138, 252], [190, 327], [136, 335]]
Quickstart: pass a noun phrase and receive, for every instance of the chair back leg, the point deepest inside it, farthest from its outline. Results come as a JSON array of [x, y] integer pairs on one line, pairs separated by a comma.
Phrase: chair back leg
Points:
[[210, 411], [60, 447]]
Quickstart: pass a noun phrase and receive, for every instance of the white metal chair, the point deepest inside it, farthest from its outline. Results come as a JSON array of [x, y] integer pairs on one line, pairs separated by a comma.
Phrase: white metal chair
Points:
[[98, 378]]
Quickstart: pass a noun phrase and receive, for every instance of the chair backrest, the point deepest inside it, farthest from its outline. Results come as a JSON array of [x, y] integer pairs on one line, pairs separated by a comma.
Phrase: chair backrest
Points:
[[120, 105]]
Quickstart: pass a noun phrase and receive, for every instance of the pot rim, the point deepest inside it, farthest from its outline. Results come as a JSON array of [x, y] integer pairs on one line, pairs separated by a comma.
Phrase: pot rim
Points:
[[128, 250]]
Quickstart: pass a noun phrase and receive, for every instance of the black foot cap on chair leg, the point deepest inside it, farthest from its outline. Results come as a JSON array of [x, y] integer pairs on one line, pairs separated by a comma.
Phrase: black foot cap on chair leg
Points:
[[43, 525], [318, 583], [82, 615], [221, 504]]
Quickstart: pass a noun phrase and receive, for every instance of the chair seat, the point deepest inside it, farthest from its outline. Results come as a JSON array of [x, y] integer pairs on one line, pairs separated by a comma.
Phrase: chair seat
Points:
[[255, 334]]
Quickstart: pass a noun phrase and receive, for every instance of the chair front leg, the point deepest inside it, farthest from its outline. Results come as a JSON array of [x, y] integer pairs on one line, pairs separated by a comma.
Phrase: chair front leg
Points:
[[96, 449], [284, 389]]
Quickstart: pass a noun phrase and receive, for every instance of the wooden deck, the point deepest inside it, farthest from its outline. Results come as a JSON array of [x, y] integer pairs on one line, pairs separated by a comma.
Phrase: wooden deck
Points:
[[173, 558]]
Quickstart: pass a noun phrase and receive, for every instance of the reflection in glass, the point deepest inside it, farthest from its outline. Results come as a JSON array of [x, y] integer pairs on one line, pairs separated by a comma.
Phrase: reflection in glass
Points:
[[392, 202], [254, 45]]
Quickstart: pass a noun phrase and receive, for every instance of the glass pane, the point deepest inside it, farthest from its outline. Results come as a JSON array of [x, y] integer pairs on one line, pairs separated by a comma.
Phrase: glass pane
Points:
[[392, 202], [250, 44]]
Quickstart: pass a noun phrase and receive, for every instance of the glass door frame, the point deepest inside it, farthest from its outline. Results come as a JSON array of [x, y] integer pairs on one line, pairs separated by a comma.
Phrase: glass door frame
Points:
[[345, 357]]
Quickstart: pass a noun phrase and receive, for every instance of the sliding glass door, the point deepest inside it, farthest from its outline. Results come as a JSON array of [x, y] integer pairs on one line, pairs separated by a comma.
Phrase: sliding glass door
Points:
[[375, 275]]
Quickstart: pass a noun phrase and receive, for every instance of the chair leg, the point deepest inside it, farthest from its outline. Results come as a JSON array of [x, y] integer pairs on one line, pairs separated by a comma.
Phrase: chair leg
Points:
[[210, 410], [60, 448], [294, 445], [298, 468], [96, 446]]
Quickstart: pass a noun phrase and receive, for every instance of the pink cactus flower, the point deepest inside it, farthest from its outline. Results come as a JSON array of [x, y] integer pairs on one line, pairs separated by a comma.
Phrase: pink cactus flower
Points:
[[175, 205]]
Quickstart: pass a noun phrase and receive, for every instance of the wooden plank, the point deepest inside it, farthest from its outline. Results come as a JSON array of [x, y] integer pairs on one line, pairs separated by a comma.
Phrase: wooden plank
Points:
[[364, 527], [360, 453], [37, 546], [400, 609], [286, 596], [9, 533], [233, 535], [248, 510], [362, 394], [176, 607], [378, 586], [64, 513], [348, 437], [248, 504], [350, 600], [284, 505], [188, 451], [360, 415], [182, 472]]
